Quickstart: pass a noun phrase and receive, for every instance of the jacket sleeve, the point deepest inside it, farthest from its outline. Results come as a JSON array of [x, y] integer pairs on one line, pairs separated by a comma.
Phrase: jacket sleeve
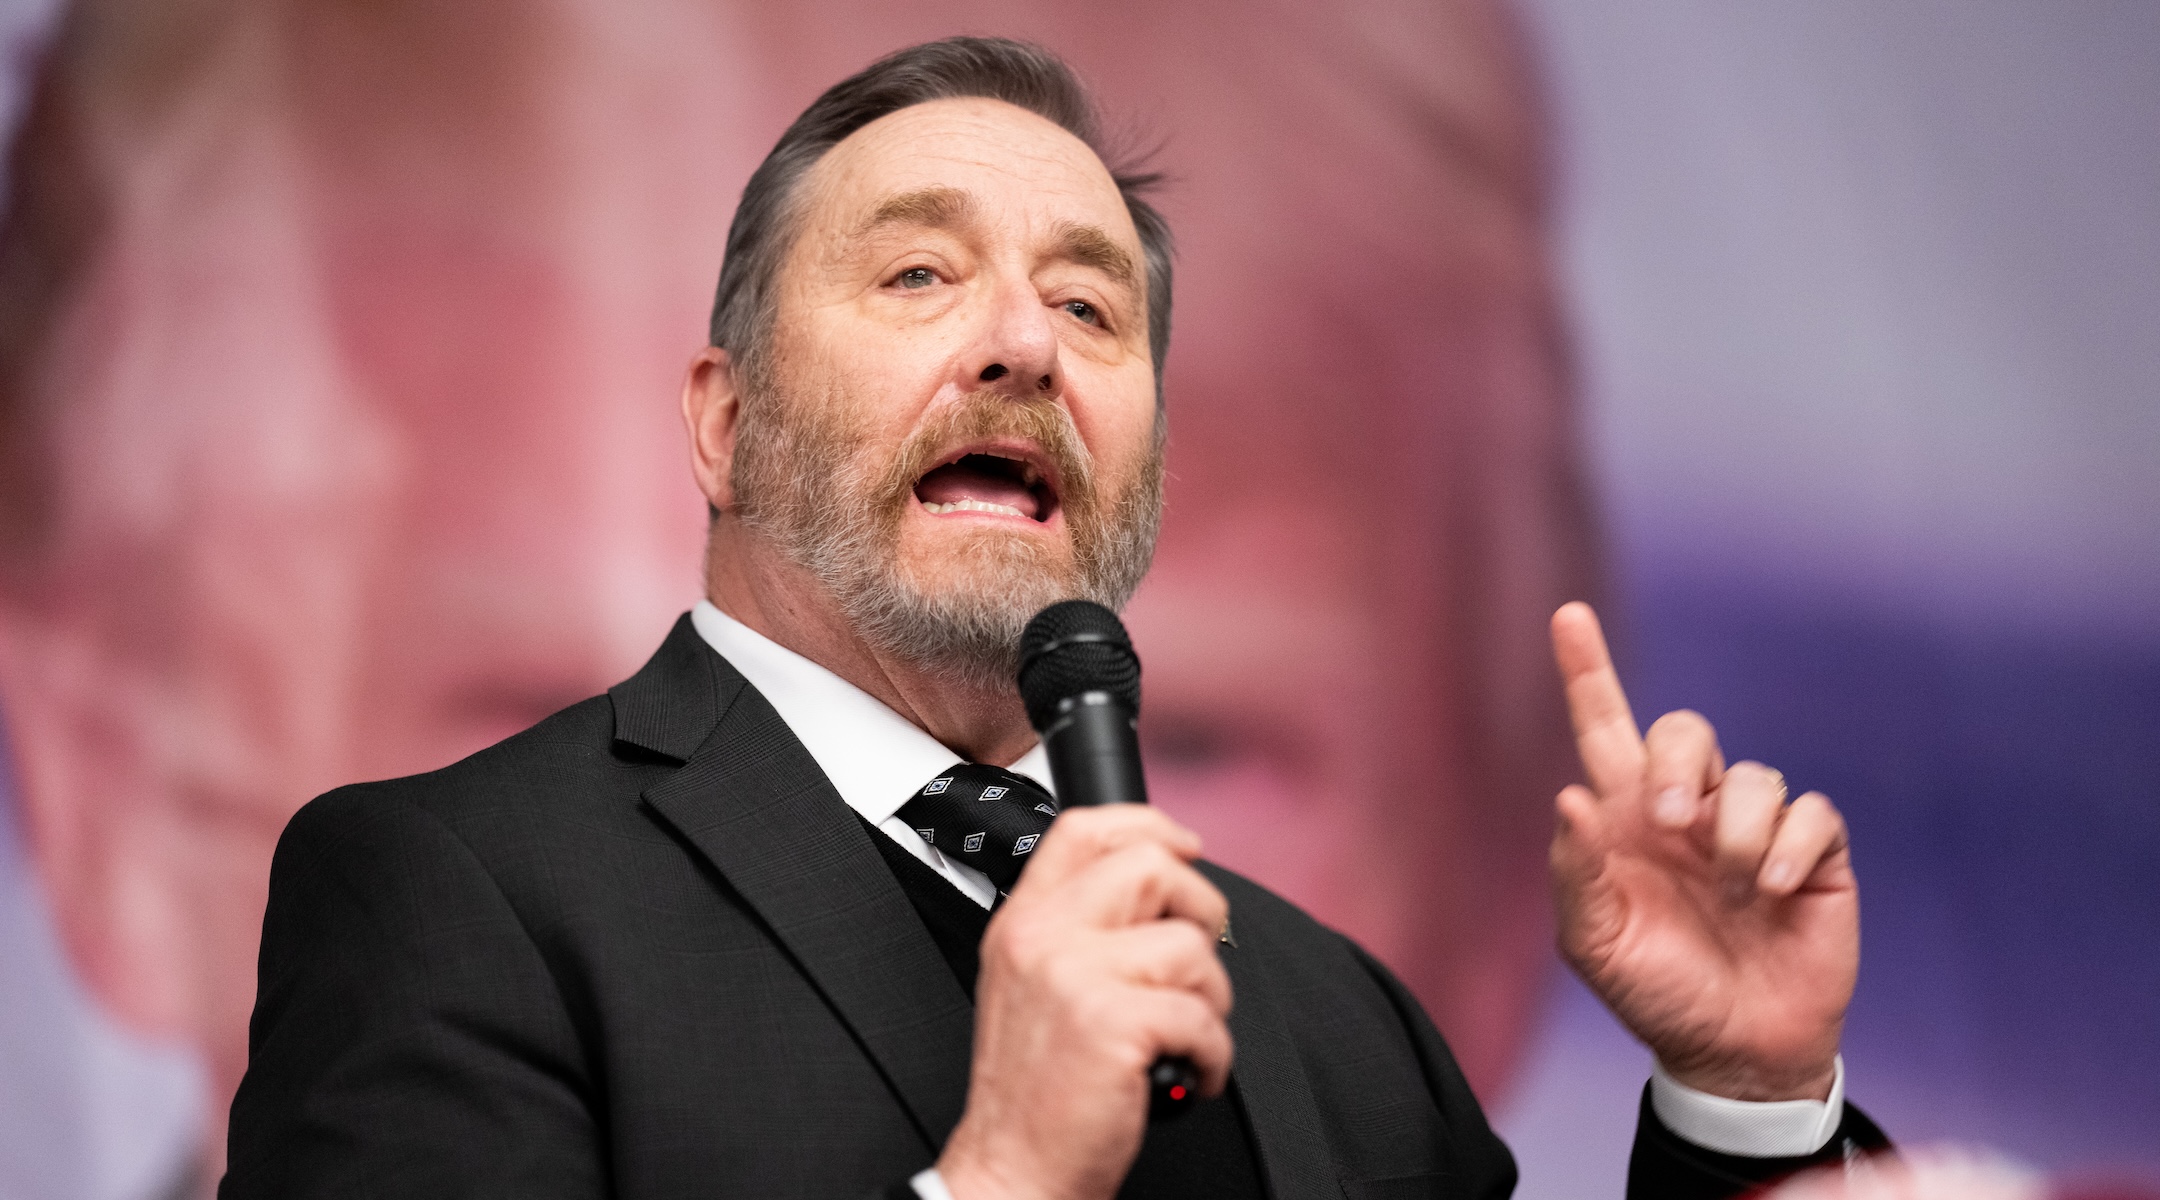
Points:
[[1665, 1166], [408, 1039]]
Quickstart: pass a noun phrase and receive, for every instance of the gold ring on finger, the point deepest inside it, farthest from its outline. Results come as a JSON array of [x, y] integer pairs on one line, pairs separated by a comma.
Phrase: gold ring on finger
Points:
[[1778, 777]]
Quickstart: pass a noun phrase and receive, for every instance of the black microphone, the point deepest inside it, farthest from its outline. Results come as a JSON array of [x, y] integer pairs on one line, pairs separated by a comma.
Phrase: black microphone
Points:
[[1080, 681]]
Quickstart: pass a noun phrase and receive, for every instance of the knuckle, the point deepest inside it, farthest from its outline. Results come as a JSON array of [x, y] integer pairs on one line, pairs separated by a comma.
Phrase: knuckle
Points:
[[1091, 827], [1135, 859], [1157, 857], [1017, 960], [1212, 917], [1145, 865], [1040, 956], [1142, 820], [1681, 722], [1753, 771], [1180, 1011], [1218, 993], [1190, 941], [1804, 822], [998, 940], [1212, 896], [1148, 815], [1160, 872], [1201, 1020], [1817, 802]]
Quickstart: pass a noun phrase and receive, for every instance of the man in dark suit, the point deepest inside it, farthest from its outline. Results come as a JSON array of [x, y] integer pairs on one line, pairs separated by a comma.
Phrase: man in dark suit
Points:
[[734, 927]]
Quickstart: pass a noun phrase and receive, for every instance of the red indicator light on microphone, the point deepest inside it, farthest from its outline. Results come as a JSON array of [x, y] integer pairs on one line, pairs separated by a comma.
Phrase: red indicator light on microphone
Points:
[[1177, 1091]]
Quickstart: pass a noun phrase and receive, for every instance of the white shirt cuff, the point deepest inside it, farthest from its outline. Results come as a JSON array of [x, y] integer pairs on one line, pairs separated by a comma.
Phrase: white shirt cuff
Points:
[[930, 1185], [1768, 1129]]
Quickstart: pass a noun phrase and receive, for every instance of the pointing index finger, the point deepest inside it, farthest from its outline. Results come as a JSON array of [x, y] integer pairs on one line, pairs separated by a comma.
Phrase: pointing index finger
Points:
[[1605, 733]]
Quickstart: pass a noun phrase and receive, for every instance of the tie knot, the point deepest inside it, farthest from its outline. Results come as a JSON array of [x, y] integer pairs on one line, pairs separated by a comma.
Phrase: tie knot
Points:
[[987, 817]]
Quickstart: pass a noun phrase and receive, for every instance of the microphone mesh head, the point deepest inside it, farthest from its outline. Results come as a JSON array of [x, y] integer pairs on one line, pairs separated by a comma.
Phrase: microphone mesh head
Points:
[[1071, 647]]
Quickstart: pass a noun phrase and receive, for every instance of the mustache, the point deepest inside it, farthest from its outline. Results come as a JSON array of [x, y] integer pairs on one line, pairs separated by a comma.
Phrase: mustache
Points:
[[977, 416]]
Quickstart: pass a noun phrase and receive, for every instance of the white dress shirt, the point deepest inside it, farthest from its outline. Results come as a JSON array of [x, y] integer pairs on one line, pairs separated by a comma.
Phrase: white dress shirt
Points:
[[878, 759]]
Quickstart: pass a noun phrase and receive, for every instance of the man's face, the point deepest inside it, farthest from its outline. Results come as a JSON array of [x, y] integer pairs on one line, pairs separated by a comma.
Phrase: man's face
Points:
[[955, 422]]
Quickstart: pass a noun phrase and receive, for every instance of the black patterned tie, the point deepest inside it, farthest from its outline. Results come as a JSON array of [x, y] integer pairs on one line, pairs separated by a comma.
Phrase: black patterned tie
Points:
[[986, 817]]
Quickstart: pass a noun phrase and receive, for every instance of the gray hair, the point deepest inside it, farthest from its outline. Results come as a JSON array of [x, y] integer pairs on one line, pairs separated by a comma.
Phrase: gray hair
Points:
[[1018, 73]]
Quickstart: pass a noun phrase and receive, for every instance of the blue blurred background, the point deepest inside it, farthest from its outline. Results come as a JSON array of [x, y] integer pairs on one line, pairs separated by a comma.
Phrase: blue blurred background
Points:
[[1867, 300]]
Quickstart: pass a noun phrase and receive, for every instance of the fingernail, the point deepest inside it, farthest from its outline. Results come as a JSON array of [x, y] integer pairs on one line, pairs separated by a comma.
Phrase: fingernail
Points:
[[1673, 807], [1778, 876]]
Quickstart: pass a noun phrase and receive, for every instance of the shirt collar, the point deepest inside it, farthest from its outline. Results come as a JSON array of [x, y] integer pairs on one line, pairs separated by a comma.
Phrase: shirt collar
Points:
[[875, 758]]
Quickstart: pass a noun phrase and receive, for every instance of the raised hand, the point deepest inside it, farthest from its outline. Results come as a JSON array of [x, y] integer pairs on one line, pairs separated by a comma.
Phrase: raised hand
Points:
[[1718, 922]]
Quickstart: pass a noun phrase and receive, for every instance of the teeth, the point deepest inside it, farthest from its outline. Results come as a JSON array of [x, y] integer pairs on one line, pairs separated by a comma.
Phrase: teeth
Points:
[[982, 506]]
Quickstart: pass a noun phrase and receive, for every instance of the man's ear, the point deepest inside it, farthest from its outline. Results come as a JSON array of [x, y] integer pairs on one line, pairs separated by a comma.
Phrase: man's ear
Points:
[[711, 408]]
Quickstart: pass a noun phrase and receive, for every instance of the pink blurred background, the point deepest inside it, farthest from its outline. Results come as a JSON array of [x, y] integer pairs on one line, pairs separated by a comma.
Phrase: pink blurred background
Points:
[[338, 352]]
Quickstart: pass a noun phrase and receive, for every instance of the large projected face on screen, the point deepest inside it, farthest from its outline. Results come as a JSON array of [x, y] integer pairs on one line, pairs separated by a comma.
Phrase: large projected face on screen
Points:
[[340, 440]]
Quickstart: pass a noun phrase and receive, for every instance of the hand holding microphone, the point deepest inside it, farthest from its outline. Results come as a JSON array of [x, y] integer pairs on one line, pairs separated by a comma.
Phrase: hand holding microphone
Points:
[[1099, 972], [1080, 681]]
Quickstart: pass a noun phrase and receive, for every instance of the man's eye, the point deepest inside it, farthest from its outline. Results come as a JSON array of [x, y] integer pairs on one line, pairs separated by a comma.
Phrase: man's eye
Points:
[[917, 277], [1083, 310]]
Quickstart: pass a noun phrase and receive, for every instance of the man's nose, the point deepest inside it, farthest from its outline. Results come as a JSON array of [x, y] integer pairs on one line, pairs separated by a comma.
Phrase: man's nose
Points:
[[1018, 349]]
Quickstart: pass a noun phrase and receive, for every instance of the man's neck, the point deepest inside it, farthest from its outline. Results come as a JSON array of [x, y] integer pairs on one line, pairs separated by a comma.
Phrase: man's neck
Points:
[[750, 580]]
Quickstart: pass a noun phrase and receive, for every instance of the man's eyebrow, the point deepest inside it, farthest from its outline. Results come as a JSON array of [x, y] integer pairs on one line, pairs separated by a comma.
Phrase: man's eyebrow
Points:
[[949, 208], [1089, 246], [931, 207]]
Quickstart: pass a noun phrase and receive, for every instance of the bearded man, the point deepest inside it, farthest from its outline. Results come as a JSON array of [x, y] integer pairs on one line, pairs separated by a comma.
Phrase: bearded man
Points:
[[709, 932]]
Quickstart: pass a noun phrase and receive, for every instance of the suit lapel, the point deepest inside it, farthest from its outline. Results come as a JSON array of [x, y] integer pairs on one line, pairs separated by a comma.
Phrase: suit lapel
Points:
[[1271, 1081], [754, 802]]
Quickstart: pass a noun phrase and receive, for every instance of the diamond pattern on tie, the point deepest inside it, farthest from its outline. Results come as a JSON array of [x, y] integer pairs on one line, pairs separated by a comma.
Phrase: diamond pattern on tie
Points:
[[987, 817]]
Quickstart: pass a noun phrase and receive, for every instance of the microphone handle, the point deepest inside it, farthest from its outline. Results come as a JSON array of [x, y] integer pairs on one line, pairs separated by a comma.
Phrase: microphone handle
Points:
[[1094, 752]]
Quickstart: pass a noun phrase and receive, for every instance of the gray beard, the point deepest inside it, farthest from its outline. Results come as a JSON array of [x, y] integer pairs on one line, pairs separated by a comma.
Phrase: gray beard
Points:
[[808, 484]]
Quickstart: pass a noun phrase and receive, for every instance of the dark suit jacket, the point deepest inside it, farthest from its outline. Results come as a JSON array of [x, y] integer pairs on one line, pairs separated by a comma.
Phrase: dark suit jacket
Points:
[[644, 950]]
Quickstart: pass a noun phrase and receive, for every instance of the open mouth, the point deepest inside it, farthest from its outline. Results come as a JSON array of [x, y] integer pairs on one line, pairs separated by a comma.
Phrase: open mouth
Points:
[[1002, 481]]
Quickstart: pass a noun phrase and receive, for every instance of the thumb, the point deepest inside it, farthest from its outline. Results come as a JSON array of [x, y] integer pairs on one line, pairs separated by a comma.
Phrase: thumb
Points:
[[1580, 831], [1584, 896]]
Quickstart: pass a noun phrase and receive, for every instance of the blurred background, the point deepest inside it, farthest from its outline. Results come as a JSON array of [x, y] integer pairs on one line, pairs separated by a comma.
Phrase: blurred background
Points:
[[1867, 301], [1817, 340]]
